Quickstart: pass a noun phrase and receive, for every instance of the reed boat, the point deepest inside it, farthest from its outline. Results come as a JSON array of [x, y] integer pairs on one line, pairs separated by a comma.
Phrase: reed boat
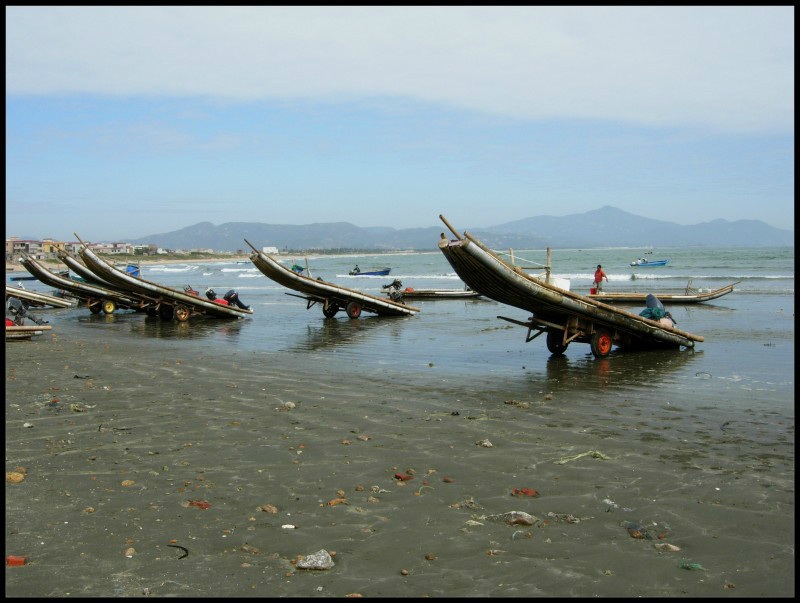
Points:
[[34, 298], [562, 315], [83, 272], [168, 303], [98, 299], [672, 298], [332, 297], [17, 332], [409, 293]]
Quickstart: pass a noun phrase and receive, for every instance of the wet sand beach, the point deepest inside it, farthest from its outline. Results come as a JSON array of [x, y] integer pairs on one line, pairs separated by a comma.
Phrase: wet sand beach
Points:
[[138, 450]]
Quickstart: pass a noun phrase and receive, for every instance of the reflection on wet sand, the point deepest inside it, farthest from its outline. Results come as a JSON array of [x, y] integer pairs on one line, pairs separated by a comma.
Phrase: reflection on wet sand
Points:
[[619, 370], [331, 333], [193, 329]]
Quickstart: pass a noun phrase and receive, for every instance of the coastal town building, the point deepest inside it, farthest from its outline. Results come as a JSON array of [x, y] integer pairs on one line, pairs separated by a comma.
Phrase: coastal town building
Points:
[[48, 249]]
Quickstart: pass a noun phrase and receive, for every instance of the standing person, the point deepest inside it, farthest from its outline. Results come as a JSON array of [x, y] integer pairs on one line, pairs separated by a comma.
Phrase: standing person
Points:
[[598, 278]]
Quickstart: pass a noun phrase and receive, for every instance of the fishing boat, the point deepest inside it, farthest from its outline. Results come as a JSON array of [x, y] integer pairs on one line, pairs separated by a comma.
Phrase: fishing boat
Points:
[[378, 272], [84, 275], [410, 293], [645, 263], [332, 297], [562, 315], [687, 297], [34, 298], [98, 299], [64, 273], [168, 303]]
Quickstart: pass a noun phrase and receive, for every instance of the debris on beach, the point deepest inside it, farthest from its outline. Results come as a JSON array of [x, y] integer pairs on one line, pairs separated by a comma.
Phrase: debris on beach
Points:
[[268, 509], [562, 517], [524, 492], [14, 477], [666, 546], [403, 477], [16, 560], [642, 532], [515, 518], [321, 560], [596, 454], [689, 565], [485, 443], [468, 503], [200, 504]]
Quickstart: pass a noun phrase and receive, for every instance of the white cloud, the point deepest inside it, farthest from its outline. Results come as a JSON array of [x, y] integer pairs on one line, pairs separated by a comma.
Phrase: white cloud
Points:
[[729, 68]]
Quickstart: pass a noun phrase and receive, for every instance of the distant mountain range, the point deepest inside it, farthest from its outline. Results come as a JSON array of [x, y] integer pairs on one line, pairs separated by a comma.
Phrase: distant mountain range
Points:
[[604, 227]]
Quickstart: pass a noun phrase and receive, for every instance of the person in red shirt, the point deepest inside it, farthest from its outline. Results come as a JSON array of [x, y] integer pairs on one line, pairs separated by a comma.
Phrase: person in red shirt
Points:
[[598, 278]]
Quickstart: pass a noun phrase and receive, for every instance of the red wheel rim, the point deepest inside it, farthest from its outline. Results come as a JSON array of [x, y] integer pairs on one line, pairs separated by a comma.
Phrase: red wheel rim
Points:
[[604, 344]]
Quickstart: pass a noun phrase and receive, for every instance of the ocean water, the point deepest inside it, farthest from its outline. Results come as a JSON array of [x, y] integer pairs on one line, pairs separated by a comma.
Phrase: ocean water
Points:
[[748, 350]]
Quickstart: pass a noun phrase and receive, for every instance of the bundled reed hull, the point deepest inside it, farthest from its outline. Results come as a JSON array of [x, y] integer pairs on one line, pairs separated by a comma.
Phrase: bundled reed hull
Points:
[[440, 294], [34, 298], [161, 294], [672, 298], [83, 291], [554, 309], [325, 292]]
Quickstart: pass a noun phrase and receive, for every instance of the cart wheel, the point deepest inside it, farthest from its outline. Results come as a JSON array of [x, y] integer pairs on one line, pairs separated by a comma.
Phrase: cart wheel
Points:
[[555, 342], [601, 343], [96, 307], [109, 306], [353, 309], [331, 310], [151, 311], [166, 311], [182, 313]]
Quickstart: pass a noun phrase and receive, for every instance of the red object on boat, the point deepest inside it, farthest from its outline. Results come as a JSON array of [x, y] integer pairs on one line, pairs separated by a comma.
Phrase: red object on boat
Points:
[[409, 289], [224, 302], [16, 560], [9, 322], [592, 291]]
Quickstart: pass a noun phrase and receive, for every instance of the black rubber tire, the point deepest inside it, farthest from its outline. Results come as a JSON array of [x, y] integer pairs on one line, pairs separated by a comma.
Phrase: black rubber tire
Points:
[[96, 308], [353, 309], [555, 342], [151, 311], [166, 312], [331, 310], [601, 343]]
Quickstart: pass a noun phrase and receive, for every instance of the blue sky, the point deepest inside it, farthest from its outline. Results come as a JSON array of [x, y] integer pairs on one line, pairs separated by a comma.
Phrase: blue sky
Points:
[[128, 121]]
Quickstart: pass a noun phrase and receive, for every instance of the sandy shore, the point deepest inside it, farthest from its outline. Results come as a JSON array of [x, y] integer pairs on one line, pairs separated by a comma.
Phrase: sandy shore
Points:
[[135, 452]]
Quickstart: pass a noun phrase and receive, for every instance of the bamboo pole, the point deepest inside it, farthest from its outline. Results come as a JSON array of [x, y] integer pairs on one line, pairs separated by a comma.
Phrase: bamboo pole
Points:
[[446, 223], [511, 253], [547, 268]]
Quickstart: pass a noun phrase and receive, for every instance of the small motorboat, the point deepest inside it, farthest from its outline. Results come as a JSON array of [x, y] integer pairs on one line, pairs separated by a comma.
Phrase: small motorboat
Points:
[[645, 262], [379, 272]]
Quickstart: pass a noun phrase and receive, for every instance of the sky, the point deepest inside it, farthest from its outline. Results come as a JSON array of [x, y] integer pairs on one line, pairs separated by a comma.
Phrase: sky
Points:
[[122, 122]]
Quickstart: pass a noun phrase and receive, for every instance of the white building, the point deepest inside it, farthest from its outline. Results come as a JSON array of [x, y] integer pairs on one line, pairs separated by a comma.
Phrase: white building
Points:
[[270, 250]]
